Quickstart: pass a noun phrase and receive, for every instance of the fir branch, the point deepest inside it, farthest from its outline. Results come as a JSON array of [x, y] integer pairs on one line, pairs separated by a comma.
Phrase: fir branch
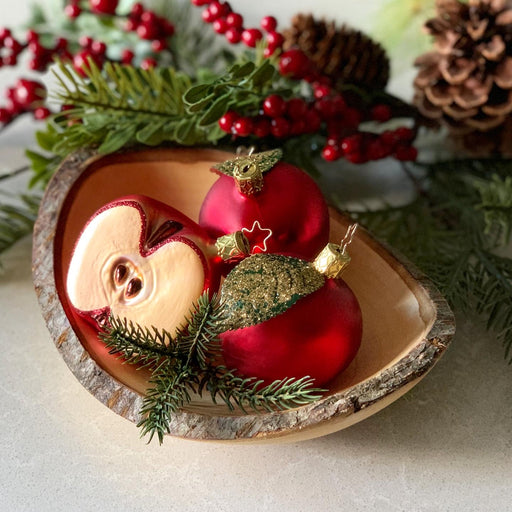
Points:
[[185, 364], [17, 220], [453, 232]]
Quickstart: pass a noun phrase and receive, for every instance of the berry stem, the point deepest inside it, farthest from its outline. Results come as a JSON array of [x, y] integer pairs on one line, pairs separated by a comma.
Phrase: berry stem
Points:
[[15, 172]]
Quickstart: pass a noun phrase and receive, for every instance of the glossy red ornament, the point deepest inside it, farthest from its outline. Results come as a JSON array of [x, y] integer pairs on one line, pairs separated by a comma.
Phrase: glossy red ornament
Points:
[[318, 337], [290, 204]]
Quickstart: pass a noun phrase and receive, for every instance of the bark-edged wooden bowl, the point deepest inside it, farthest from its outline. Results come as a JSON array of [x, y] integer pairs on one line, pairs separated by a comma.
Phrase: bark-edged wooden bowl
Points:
[[407, 324]]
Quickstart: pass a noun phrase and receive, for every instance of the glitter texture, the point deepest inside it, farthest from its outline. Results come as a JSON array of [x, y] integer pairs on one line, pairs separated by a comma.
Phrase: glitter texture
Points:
[[264, 286]]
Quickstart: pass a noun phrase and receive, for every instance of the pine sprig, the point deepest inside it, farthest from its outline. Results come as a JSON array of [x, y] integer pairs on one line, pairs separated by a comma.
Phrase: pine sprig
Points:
[[453, 232], [17, 220], [186, 364]]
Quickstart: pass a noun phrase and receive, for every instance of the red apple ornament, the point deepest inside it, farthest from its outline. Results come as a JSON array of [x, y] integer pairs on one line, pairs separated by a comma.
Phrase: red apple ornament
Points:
[[278, 195], [142, 260], [291, 318]]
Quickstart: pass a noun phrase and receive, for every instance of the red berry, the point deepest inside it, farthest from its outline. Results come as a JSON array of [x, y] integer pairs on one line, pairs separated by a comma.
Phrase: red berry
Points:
[[149, 17], [85, 41], [5, 116], [274, 106], [219, 9], [148, 30], [148, 63], [356, 158], [200, 3], [330, 153], [381, 113], [275, 40], [352, 118], [4, 32], [352, 144], [338, 105], [72, 11], [233, 35], [131, 25], [103, 6], [404, 134], [268, 23], [32, 36], [406, 153], [41, 113], [158, 45], [324, 107], [12, 44], [321, 91], [298, 127], [235, 20], [81, 61], [261, 126], [10, 60], [280, 127], [295, 64], [167, 27], [227, 120], [137, 10], [251, 36], [127, 56], [220, 25], [377, 150], [207, 16], [99, 48], [296, 108], [27, 93], [389, 138], [313, 121], [242, 126], [61, 44]]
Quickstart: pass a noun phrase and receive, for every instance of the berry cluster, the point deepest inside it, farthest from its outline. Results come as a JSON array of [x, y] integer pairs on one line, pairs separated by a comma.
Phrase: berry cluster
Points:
[[25, 96], [277, 117], [102, 7], [329, 111], [150, 27]]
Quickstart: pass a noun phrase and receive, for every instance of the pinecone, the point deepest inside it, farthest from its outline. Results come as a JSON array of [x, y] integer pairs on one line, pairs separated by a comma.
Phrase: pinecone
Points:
[[466, 83], [345, 55]]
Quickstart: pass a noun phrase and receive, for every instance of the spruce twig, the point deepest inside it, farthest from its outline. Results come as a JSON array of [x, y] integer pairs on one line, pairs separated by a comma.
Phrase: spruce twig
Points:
[[185, 364]]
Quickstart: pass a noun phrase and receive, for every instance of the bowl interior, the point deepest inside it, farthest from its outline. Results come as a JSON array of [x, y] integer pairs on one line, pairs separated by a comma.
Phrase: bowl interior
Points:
[[397, 311]]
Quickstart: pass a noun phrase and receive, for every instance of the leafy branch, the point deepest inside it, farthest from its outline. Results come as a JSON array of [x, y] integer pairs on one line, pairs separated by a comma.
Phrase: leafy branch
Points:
[[454, 232], [186, 364]]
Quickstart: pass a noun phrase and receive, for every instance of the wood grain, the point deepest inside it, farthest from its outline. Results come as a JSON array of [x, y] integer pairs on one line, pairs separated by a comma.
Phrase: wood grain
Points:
[[407, 324]]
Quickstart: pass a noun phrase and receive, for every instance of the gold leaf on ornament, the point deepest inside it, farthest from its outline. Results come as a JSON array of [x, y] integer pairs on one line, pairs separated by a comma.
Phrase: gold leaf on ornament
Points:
[[264, 286], [262, 161]]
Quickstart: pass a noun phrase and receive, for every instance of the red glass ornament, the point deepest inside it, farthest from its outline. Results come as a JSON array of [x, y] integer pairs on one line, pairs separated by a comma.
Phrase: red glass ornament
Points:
[[290, 204], [318, 337]]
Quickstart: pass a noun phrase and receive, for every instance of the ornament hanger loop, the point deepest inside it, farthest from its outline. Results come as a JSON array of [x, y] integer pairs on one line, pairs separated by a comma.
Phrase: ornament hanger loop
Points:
[[349, 236], [257, 224], [242, 151]]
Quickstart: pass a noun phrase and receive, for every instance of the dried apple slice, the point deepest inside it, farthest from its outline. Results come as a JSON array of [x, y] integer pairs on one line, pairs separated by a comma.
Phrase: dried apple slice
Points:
[[142, 260]]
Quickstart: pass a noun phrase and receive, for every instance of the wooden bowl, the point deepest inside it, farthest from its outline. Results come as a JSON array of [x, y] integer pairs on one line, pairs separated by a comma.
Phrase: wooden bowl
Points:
[[407, 324]]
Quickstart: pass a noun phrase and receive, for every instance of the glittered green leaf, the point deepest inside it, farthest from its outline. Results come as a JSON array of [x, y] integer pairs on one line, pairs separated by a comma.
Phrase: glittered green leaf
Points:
[[264, 286]]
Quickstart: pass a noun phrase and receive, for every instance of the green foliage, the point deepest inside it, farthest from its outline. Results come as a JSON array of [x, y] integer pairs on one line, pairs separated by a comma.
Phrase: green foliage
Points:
[[453, 232], [17, 219], [185, 364]]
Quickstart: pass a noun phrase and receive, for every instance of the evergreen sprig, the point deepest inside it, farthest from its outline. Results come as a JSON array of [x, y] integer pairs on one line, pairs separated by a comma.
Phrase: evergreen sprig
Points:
[[186, 364], [17, 219], [453, 231]]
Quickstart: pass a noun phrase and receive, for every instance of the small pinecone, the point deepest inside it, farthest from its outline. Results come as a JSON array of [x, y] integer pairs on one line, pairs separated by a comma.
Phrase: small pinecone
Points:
[[345, 55], [466, 82]]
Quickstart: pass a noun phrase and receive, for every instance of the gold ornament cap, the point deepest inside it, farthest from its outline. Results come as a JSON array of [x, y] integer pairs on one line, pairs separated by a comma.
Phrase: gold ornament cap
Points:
[[247, 169], [248, 177], [334, 259], [233, 246]]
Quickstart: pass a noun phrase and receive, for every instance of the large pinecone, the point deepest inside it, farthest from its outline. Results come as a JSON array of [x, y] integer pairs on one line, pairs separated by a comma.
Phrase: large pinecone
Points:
[[466, 83], [345, 55]]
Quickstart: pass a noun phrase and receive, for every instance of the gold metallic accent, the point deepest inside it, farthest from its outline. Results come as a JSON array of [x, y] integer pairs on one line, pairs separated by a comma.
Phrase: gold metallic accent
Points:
[[233, 246], [264, 230], [248, 169], [334, 259]]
